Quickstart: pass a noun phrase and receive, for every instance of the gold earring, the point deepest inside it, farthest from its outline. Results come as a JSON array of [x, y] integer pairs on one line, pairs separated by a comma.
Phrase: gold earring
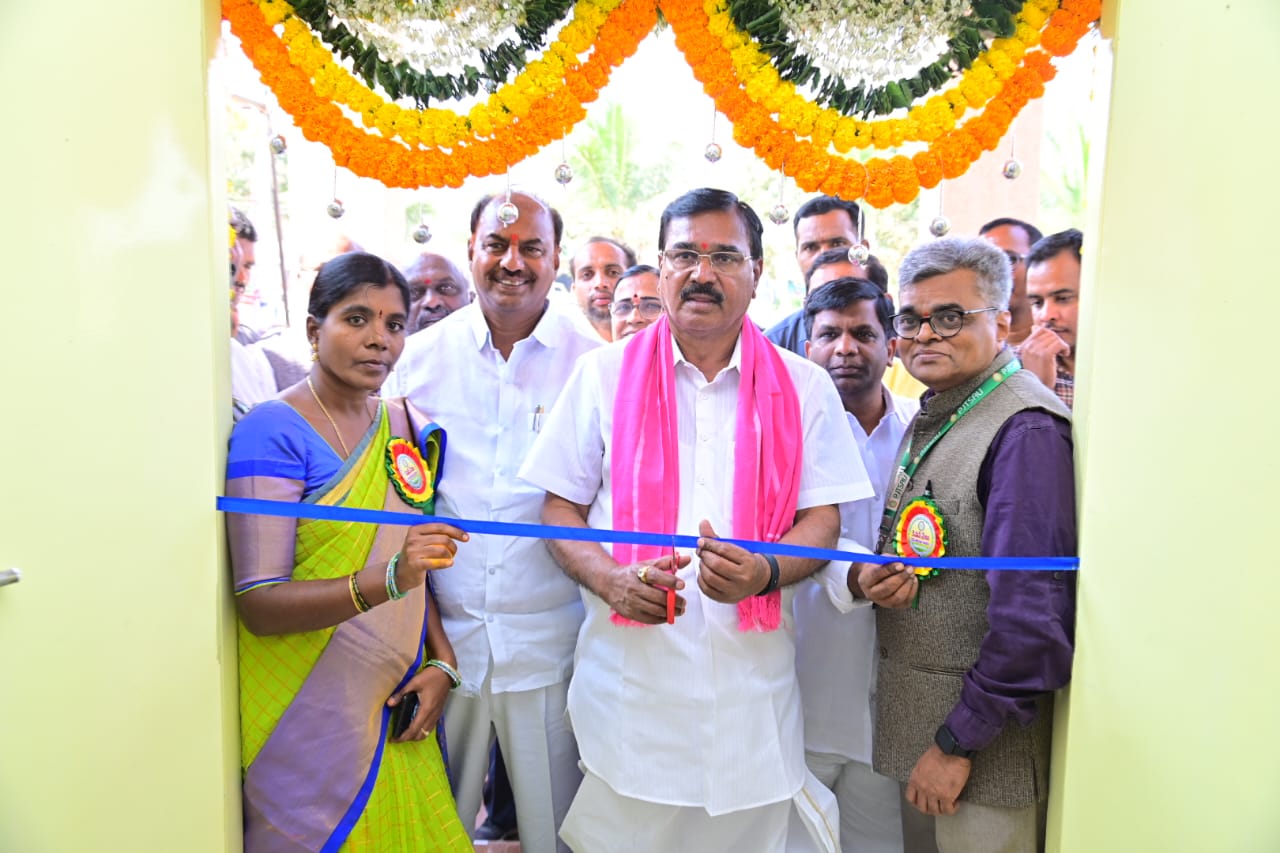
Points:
[[315, 351]]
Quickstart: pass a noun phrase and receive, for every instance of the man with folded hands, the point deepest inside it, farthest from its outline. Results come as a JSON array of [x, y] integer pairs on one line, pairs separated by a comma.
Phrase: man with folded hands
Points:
[[684, 697]]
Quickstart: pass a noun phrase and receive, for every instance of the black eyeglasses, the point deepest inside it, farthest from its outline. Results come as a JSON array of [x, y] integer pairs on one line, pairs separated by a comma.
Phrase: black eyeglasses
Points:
[[946, 323], [650, 307]]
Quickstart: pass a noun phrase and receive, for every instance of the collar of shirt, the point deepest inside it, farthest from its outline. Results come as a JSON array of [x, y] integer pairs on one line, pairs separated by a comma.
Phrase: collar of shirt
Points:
[[549, 330], [735, 359]]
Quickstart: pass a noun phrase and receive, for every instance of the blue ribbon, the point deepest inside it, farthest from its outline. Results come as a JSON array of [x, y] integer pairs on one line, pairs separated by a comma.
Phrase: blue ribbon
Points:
[[287, 509]]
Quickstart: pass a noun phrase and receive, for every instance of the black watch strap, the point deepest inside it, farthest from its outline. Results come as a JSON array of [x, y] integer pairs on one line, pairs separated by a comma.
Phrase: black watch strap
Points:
[[775, 574], [946, 742]]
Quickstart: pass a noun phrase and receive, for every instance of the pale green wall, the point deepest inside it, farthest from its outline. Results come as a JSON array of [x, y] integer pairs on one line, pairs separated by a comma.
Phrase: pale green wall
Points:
[[1170, 740], [117, 686]]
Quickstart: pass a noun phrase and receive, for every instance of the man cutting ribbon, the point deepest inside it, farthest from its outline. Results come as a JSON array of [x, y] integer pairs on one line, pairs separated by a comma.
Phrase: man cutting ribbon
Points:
[[969, 660], [690, 733]]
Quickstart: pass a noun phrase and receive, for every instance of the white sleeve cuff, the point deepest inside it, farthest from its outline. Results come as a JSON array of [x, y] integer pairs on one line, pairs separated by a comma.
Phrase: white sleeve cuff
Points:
[[834, 578]]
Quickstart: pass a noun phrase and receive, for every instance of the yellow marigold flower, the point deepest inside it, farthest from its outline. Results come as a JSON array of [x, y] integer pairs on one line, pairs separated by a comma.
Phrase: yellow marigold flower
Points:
[[824, 128], [1011, 47], [575, 37], [1032, 16], [274, 12], [1028, 35], [1001, 63], [845, 134]]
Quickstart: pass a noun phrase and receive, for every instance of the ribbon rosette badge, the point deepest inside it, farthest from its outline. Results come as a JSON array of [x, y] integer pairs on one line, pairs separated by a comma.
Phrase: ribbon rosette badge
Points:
[[921, 532], [409, 473]]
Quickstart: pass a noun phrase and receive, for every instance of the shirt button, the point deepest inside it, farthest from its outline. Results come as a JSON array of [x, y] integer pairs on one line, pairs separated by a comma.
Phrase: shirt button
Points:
[[1057, 576], [493, 571]]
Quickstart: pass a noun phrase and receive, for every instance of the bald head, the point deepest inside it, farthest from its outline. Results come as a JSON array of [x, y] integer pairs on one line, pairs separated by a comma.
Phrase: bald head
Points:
[[437, 288]]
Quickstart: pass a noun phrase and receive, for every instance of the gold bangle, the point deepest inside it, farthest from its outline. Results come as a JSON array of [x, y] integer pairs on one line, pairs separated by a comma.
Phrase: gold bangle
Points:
[[356, 598]]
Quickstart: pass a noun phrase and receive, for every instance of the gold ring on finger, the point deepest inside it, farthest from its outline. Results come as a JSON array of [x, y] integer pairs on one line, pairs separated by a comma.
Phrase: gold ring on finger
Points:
[[643, 574]]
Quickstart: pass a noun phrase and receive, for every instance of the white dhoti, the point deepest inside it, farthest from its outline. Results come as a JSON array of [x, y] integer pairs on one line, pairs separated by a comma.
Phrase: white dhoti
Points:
[[604, 821]]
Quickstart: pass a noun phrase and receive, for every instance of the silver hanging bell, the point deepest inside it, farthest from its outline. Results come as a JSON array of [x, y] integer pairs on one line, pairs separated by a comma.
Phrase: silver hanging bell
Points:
[[939, 226], [859, 254], [508, 213], [779, 215], [713, 152], [1011, 169], [335, 209], [564, 174], [421, 234], [278, 144]]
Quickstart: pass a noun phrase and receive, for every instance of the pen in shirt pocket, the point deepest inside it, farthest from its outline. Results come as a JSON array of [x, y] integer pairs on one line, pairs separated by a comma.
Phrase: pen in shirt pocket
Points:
[[535, 419]]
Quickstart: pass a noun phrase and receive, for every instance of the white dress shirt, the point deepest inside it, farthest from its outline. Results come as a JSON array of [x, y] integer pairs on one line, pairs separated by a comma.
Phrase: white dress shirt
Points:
[[697, 713], [504, 600], [836, 650]]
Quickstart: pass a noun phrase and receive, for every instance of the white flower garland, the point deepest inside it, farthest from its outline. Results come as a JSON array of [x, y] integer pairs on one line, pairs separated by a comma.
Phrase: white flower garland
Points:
[[436, 35], [873, 41]]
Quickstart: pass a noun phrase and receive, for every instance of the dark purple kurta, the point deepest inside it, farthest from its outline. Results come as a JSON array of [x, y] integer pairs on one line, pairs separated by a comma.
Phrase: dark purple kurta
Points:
[[1027, 485]]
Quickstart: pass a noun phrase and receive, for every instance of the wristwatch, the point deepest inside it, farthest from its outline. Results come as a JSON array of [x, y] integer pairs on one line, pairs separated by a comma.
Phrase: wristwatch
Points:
[[946, 742]]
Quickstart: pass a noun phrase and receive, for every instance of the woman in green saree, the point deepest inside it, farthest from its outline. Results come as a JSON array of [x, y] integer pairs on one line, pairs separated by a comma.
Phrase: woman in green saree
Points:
[[337, 622]]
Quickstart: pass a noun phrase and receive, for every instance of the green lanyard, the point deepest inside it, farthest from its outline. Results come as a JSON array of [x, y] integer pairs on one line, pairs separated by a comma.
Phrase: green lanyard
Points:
[[907, 465]]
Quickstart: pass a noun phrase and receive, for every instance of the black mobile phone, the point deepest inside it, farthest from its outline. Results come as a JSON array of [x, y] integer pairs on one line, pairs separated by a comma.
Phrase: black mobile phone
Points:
[[403, 713]]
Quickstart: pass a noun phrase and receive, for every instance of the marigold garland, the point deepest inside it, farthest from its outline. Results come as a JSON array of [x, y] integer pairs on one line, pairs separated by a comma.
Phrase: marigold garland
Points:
[[438, 127], [924, 123], [787, 131], [880, 181], [549, 116], [763, 23], [401, 79]]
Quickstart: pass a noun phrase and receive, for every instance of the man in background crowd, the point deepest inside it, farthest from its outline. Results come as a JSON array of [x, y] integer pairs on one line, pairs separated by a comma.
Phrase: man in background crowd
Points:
[[851, 337], [596, 268], [635, 301], [438, 288], [822, 224], [1014, 237], [1053, 288]]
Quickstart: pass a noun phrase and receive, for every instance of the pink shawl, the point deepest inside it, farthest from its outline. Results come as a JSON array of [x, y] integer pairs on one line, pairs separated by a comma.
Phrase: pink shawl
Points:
[[645, 469]]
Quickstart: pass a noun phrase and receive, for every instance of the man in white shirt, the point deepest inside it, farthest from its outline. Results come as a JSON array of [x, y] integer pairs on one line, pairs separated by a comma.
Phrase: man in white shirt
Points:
[[488, 373], [596, 268], [849, 334], [689, 722]]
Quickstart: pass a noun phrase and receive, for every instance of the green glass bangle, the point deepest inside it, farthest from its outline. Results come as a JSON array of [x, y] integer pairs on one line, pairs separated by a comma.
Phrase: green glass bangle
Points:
[[393, 591], [447, 670]]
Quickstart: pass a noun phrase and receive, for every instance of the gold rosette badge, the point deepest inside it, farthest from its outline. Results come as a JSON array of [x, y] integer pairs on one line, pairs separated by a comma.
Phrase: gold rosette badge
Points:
[[409, 474]]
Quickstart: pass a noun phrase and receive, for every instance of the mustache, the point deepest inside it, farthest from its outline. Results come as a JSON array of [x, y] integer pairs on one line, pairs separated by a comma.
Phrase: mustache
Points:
[[701, 288]]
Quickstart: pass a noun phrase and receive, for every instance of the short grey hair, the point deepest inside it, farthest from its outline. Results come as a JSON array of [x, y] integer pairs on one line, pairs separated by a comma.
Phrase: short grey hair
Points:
[[948, 254]]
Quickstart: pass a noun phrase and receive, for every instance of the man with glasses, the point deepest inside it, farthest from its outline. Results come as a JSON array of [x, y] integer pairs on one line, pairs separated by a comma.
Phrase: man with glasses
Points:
[[969, 660], [1053, 287], [1014, 237], [684, 694], [635, 301]]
